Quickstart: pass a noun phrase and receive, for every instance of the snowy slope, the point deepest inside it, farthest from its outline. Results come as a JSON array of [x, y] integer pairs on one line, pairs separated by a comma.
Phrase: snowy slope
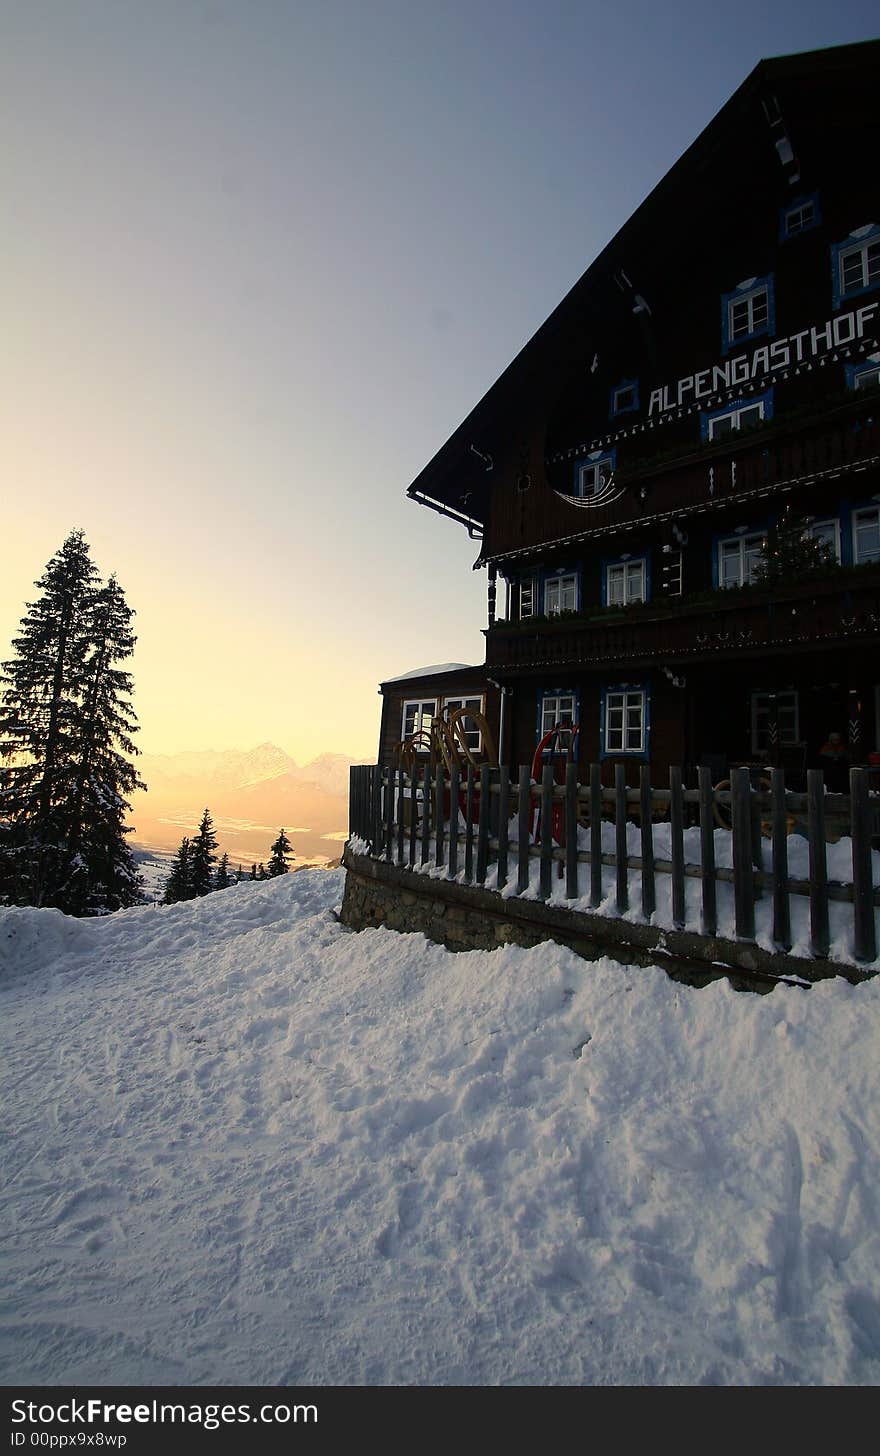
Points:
[[246, 1145]]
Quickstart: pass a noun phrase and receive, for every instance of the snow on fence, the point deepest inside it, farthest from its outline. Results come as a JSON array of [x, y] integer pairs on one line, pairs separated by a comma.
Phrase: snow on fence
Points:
[[602, 848]]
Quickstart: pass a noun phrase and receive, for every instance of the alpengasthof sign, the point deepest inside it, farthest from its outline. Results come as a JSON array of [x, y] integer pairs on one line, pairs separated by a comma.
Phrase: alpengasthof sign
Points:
[[783, 354]]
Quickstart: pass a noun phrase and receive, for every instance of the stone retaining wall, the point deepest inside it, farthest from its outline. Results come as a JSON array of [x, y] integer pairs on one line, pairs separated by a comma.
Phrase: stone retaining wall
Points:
[[464, 917]]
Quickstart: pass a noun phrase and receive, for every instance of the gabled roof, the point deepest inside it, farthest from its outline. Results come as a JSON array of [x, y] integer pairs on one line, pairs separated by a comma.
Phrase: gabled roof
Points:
[[457, 480]]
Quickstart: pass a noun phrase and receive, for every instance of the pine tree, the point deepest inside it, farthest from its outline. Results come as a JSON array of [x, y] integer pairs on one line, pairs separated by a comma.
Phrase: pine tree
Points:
[[253, 872], [222, 878], [282, 851], [178, 885], [789, 553], [41, 731], [261, 872], [202, 857]]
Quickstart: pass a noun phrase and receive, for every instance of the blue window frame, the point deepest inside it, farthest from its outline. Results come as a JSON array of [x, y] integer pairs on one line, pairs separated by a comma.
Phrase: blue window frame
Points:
[[594, 473], [625, 721], [738, 414], [624, 398], [799, 216], [855, 264], [748, 312], [626, 579], [865, 374]]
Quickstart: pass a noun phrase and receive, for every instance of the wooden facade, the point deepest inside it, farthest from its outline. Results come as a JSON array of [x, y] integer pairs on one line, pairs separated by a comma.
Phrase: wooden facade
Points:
[[707, 393]]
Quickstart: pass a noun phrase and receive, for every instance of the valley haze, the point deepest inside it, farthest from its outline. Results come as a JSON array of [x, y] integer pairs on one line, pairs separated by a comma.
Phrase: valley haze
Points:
[[251, 794]]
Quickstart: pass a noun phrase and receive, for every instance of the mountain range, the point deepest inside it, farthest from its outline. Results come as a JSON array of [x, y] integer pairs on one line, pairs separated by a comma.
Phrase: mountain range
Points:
[[251, 794]]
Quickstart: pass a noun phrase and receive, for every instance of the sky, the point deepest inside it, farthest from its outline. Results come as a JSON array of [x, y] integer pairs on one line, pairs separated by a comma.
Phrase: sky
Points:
[[261, 260]]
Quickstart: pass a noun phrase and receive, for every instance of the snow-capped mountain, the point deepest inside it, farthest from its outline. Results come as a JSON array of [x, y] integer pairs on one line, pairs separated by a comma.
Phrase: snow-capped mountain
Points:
[[251, 794]]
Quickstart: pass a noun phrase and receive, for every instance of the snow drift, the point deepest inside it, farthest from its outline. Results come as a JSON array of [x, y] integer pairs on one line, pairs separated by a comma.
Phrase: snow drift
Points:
[[246, 1145]]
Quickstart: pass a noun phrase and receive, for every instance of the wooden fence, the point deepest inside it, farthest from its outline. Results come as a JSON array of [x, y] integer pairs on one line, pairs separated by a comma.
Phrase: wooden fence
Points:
[[405, 819]]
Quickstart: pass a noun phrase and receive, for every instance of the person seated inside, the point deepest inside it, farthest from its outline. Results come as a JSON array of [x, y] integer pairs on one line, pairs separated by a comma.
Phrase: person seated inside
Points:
[[834, 759]]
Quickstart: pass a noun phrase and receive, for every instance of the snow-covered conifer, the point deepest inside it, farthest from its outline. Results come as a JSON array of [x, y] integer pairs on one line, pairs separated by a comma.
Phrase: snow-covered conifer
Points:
[[282, 851], [202, 857]]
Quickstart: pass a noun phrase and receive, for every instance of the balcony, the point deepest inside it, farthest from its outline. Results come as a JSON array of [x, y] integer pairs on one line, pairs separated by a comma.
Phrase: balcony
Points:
[[756, 621]]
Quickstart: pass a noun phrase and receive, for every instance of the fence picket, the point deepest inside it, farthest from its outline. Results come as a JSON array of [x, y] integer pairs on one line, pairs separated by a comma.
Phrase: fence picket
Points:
[[676, 826], [707, 850], [483, 825], [649, 895], [454, 797], [620, 845], [503, 824], [864, 930], [819, 933], [595, 835], [401, 780], [525, 794], [546, 831], [438, 815], [426, 815], [779, 820], [571, 837], [389, 814], [743, 873], [469, 827]]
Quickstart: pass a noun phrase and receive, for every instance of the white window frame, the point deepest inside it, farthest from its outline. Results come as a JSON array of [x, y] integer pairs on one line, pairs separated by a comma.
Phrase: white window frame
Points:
[[471, 704], [803, 223], [865, 513], [819, 530], [787, 701], [742, 541], [632, 572], [553, 711], [734, 416], [419, 724], [869, 268], [624, 702], [564, 589], [736, 333], [593, 476]]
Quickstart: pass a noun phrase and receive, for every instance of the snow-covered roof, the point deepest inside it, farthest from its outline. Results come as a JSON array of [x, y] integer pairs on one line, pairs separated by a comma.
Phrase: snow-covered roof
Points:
[[438, 667]]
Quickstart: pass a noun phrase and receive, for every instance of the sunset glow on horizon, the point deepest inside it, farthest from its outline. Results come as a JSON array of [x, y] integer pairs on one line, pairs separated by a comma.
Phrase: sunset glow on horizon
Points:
[[262, 260]]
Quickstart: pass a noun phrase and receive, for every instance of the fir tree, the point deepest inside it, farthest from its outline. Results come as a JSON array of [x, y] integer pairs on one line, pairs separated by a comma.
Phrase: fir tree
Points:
[[261, 872], [253, 872], [65, 726], [202, 857], [178, 885], [222, 878], [282, 851], [790, 553]]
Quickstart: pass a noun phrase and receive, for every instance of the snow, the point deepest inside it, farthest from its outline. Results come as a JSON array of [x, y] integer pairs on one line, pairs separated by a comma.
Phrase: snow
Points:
[[438, 668], [246, 1145], [839, 870]]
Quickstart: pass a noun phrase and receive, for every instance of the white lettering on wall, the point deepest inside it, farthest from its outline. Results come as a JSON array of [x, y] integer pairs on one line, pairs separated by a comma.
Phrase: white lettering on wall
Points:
[[766, 359]]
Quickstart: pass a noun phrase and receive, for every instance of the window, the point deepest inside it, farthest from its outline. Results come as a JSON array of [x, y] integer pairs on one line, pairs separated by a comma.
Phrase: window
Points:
[[624, 728], [625, 583], [827, 531], [743, 415], [747, 312], [592, 476], [865, 375], [472, 733], [737, 558], [856, 263], [866, 534], [774, 711], [418, 716], [799, 217], [527, 597], [624, 397], [557, 709], [560, 595]]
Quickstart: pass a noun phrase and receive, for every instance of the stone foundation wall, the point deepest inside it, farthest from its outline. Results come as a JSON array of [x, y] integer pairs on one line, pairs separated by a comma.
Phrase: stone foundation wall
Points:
[[464, 917]]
